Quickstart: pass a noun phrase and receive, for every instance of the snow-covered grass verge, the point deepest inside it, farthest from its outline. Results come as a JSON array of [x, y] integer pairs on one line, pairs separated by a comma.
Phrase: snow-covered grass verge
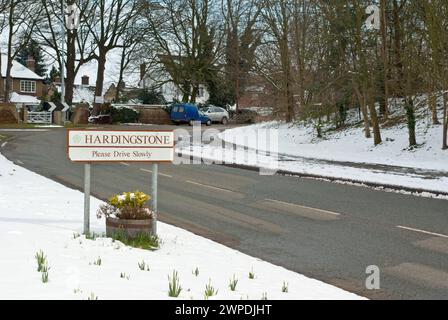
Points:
[[351, 145], [39, 214], [343, 154]]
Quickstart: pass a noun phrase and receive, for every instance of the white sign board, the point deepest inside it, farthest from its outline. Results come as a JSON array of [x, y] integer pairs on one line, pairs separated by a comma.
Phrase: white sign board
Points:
[[120, 146]]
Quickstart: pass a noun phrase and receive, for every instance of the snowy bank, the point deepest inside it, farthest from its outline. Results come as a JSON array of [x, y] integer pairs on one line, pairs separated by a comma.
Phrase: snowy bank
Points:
[[343, 154], [39, 214]]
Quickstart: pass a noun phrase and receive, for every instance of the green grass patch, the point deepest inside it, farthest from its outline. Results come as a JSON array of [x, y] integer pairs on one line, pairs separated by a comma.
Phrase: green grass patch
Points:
[[93, 235], [74, 126], [251, 274], [233, 283], [285, 287], [143, 266], [196, 272], [141, 241], [41, 259], [174, 288], [210, 291]]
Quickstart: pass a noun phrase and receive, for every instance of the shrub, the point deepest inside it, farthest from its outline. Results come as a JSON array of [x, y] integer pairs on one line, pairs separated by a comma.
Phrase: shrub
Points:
[[210, 290], [252, 274], [196, 271], [141, 241], [174, 288], [41, 259], [233, 283], [128, 205], [124, 115], [143, 266], [44, 274], [97, 262]]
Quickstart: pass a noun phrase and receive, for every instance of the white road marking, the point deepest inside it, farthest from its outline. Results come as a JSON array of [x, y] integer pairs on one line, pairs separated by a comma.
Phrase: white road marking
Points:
[[207, 186], [4, 144], [19, 162], [125, 164], [303, 207], [423, 231], [160, 174]]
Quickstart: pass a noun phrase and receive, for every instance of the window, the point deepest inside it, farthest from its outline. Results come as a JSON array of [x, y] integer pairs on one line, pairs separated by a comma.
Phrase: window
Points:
[[181, 109], [28, 86]]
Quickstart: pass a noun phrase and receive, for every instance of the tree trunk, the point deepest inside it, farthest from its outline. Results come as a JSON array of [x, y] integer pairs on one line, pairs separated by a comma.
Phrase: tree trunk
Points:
[[365, 115], [289, 100], [375, 125], [120, 78], [445, 122], [410, 115], [384, 56], [99, 81], [8, 80], [287, 90], [432, 101], [194, 93], [70, 67]]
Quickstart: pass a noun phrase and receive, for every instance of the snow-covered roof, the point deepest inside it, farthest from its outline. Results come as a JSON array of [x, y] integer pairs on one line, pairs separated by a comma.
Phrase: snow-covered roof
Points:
[[83, 94], [18, 70], [21, 98]]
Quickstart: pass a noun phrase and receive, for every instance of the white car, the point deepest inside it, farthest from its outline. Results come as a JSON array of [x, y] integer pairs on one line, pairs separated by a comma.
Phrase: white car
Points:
[[217, 114]]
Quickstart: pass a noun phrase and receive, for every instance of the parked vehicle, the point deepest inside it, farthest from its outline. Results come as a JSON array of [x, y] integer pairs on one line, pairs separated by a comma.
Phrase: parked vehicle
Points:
[[188, 113], [217, 114]]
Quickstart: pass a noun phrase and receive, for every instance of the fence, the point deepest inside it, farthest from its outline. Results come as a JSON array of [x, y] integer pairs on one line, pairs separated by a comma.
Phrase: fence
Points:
[[40, 117]]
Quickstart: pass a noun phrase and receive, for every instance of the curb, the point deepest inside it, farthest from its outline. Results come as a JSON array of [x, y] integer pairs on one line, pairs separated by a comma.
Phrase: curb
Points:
[[334, 179], [341, 180]]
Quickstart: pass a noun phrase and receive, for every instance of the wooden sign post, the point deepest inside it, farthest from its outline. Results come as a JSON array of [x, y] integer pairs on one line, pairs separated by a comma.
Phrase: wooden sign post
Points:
[[107, 146]]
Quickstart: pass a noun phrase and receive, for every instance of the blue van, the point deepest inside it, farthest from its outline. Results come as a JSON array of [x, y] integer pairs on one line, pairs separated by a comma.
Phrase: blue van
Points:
[[188, 113]]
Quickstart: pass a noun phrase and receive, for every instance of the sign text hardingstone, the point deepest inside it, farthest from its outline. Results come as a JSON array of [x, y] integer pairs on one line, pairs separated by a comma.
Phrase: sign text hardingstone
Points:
[[124, 146]]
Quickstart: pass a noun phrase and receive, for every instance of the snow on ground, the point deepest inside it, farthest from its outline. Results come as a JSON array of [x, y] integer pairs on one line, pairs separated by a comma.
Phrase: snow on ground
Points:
[[39, 214], [344, 154], [327, 170], [351, 145]]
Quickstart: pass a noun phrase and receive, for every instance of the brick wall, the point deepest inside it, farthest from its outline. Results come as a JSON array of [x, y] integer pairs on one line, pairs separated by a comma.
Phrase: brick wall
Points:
[[8, 113], [153, 115]]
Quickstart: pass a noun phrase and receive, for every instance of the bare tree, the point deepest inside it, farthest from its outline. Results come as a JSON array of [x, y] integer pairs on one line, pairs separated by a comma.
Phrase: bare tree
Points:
[[186, 37], [78, 48], [22, 16], [277, 16], [243, 36], [434, 14], [107, 21]]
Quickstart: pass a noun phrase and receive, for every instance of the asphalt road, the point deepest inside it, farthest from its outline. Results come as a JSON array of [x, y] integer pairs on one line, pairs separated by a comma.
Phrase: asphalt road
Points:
[[324, 230]]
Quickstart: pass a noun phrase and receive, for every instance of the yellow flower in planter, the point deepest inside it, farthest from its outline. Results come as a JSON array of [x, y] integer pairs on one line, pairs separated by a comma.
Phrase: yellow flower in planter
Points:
[[135, 199]]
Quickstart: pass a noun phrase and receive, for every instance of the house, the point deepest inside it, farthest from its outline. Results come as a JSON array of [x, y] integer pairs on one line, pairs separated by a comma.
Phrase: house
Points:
[[163, 80], [27, 87]]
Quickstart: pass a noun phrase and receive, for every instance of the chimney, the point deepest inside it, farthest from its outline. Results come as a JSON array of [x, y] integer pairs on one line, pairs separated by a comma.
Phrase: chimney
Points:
[[85, 80], [31, 63]]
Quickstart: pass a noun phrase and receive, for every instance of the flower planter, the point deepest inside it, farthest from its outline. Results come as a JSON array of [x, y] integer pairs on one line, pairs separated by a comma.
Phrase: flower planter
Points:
[[130, 228]]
